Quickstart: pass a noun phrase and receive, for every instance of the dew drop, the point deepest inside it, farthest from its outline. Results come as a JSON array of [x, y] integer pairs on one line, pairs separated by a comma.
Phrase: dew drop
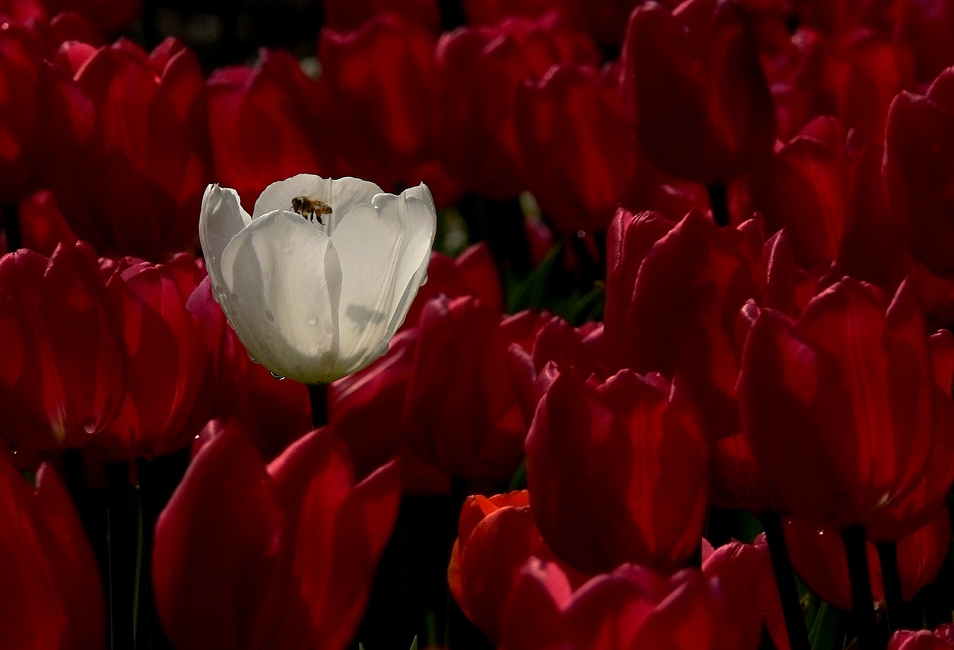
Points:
[[288, 248], [312, 321], [252, 359], [580, 234], [276, 376]]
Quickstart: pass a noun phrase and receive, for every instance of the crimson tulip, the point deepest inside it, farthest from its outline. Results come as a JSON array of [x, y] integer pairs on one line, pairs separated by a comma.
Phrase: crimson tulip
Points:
[[818, 557], [744, 572], [476, 429], [275, 413], [381, 78], [917, 640], [912, 511], [21, 49], [673, 293], [166, 356], [556, 345], [580, 154], [348, 15], [63, 376], [838, 406], [42, 227], [472, 273], [106, 15], [807, 189], [919, 168], [632, 607], [365, 411], [266, 122], [52, 596], [249, 555], [617, 473], [478, 72], [695, 90], [138, 123]]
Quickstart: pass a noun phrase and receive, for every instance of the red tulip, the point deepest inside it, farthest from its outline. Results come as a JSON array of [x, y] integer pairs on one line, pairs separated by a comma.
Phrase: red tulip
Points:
[[138, 123], [42, 227], [673, 294], [745, 575], [919, 168], [474, 428], [917, 640], [694, 87], [63, 376], [381, 80], [495, 539], [557, 345], [632, 607], [838, 406], [808, 190], [604, 19], [818, 557], [479, 71], [254, 556], [472, 273], [52, 596], [365, 411], [617, 473], [348, 15], [106, 15], [914, 510], [166, 363], [266, 123], [274, 413], [580, 154], [21, 49]]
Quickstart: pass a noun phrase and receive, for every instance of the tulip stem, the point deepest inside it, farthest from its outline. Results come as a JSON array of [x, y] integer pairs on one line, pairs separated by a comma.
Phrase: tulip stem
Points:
[[862, 601], [318, 395], [11, 226], [719, 202], [785, 579], [891, 578]]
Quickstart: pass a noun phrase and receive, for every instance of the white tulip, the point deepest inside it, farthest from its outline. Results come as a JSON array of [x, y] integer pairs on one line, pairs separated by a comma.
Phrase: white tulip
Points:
[[317, 296]]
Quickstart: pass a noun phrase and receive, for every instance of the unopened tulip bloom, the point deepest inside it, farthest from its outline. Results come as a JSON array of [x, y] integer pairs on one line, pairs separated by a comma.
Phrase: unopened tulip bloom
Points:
[[317, 280]]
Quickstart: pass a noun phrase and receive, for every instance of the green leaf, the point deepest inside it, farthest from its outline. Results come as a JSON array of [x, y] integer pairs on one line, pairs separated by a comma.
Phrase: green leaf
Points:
[[823, 633]]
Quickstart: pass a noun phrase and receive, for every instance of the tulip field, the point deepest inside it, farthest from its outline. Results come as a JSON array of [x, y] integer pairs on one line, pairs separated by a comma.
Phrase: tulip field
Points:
[[476, 324]]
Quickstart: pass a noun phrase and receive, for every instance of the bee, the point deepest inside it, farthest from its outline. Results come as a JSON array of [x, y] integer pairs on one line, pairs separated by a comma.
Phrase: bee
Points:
[[310, 208]]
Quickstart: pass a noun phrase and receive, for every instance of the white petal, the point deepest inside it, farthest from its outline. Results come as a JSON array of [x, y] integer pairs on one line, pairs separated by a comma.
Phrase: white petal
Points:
[[341, 194], [220, 219], [384, 252], [283, 282]]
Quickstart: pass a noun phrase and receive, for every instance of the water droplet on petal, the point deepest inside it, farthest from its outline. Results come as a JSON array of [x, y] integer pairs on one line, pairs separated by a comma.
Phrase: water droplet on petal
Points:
[[276, 376], [312, 321], [288, 248], [580, 234], [252, 359]]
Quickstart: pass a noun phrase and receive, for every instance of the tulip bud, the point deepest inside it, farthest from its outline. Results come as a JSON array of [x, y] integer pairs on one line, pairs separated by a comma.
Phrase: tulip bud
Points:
[[138, 123], [254, 556], [52, 596], [617, 473], [63, 377]]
